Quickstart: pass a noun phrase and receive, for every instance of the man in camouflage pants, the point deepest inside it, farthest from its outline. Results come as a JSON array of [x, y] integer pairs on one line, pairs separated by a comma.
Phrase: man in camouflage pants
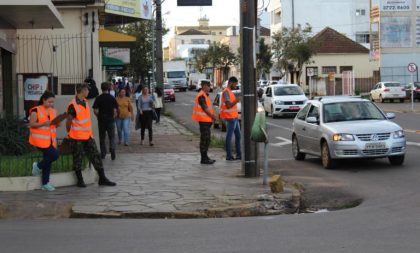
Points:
[[79, 127]]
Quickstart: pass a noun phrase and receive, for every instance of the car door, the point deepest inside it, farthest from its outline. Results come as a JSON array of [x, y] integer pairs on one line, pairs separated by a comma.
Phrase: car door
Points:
[[267, 100], [299, 128], [375, 91], [313, 131]]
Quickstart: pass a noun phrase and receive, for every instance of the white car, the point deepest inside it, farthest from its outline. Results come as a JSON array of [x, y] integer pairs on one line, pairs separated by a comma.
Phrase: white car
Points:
[[388, 90], [283, 99], [217, 103], [198, 86]]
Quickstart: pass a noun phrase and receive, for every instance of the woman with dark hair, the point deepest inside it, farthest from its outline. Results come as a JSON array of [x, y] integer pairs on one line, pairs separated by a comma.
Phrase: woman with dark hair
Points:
[[158, 102], [43, 136]]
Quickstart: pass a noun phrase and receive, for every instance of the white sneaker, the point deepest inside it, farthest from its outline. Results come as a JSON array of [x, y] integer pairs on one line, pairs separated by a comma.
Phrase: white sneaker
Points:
[[35, 169]]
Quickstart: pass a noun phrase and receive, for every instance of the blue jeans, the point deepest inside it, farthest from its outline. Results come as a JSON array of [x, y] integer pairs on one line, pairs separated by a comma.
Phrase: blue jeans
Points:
[[233, 127], [49, 156], [122, 129]]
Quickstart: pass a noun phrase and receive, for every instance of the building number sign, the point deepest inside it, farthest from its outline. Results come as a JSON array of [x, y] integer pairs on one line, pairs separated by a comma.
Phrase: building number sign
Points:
[[396, 5]]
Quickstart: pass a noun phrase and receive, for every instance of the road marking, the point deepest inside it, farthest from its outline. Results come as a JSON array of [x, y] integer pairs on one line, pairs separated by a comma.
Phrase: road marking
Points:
[[282, 127], [283, 143], [413, 143], [412, 131]]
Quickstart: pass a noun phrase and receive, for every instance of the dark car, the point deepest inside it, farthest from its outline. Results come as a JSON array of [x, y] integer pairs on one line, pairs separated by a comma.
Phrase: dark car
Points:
[[409, 87], [169, 92]]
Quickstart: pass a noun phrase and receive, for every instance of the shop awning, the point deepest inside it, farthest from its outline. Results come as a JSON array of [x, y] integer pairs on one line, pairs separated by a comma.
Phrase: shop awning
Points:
[[109, 38], [30, 14]]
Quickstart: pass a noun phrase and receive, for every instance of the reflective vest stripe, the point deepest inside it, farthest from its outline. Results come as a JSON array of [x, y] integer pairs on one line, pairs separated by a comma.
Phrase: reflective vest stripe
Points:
[[41, 136], [81, 125], [198, 113], [229, 113], [81, 128], [81, 121]]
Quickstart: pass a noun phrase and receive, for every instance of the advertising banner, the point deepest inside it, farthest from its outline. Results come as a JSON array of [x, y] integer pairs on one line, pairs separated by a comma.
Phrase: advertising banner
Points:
[[130, 8], [115, 56], [34, 85], [396, 5], [396, 32]]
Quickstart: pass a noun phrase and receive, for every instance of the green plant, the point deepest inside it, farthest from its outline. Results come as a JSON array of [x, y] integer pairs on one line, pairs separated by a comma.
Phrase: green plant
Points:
[[217, 142], [14, 135]]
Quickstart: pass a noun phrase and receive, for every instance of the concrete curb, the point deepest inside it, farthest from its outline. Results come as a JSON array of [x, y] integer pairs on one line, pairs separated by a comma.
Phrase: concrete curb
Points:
[[34, 183], [260, 208]]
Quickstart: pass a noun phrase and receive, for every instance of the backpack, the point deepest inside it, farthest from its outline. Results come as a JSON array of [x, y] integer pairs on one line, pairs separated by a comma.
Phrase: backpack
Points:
[[93, 90]]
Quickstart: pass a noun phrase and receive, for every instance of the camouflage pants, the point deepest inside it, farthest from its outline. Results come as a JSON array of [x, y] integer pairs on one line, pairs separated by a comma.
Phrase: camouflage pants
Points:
[[81, 148], [205, 138]]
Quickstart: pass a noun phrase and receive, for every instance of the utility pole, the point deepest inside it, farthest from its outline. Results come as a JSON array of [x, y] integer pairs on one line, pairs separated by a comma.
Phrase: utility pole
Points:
[[248, 73], [159, 54]]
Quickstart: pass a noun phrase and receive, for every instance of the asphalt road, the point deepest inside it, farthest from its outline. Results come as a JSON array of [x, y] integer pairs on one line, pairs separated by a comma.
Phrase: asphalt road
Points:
[[387, 220]]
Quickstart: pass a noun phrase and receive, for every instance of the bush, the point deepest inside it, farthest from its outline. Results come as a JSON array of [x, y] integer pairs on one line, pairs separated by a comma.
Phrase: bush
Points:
[[14, 135]]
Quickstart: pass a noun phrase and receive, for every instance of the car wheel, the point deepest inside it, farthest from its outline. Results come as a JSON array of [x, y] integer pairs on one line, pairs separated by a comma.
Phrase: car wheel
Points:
[[371, 98], [381, 99], [402, 100], [299, 156], [396, 160], [266, 113], [327, 162]]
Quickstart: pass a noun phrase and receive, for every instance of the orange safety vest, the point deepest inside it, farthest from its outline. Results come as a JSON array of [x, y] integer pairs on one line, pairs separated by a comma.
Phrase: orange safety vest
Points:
[[231, 113], [45, 136], [198, 113], [81, 126]]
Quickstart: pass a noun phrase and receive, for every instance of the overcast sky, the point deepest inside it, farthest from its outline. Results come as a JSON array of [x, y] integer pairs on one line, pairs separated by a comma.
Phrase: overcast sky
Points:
[[223, 12]]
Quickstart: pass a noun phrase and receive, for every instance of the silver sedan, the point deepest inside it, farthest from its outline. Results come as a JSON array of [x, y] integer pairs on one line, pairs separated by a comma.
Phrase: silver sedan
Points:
[[346, 127]]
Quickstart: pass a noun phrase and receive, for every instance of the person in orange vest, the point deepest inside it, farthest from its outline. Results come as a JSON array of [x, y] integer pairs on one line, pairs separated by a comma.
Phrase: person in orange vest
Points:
[[79, 128], [203, 113], [229, 112], [43, 135]]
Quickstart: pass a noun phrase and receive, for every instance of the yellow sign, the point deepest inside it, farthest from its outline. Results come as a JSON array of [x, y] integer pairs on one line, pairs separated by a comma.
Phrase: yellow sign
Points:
[[130, 8], [331, 76]]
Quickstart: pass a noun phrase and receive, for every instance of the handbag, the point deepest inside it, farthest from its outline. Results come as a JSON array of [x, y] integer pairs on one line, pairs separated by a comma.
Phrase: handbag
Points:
[[154, 114]]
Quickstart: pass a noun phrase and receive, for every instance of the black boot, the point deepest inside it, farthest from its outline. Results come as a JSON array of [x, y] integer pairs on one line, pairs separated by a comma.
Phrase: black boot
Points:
[[112, 154], [80, 181], [205, 159], [103, 180]]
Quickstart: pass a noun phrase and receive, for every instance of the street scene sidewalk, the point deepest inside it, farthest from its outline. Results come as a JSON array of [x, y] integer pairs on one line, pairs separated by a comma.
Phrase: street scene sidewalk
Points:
[[161, 181]]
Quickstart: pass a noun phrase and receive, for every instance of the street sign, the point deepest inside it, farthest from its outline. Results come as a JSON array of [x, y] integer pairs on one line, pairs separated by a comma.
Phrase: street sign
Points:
[[412, 67], [310, 72], [331, 76], [194, 2]]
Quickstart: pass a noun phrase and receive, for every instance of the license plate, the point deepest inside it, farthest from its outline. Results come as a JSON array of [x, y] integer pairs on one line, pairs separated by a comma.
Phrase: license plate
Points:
[[375, 145], [294, 108]]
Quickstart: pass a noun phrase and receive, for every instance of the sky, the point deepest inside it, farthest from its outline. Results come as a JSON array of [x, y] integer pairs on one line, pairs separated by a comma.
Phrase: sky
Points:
[[223, 12]]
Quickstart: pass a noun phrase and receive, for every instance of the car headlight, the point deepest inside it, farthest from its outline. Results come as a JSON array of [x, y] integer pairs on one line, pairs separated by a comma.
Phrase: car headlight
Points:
[[343, 137], [398, 134], [278, 102]]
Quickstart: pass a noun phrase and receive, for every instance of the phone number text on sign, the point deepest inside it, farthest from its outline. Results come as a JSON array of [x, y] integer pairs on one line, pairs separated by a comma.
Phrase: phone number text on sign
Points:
[[396, 5]]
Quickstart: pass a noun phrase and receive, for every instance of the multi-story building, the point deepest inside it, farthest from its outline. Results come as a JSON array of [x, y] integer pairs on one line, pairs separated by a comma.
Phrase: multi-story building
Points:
[[349, 17], [395, 33]]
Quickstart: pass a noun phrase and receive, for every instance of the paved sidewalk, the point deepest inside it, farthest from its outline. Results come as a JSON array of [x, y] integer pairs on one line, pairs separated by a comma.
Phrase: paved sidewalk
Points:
[[165, 180]]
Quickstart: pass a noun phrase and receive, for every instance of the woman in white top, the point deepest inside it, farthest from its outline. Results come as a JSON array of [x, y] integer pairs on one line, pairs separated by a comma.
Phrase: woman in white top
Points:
[[158, 103]]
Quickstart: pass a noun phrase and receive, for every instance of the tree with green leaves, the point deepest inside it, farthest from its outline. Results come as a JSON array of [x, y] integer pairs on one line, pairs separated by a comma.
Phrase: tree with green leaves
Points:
[[141, 61], [264, 59], [292, 49], [200, 60]]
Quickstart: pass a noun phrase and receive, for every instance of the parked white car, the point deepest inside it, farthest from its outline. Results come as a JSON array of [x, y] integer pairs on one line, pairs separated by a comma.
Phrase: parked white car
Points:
[[283, 99], [388, 91], [198, 86]]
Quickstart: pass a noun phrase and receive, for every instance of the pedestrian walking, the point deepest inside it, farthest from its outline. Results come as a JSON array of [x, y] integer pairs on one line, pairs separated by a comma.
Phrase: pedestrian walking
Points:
[[203, 113], [125, 113], [158, 95], [79, 128], [112, 90], [105, 108], [229, 112], [43, 136], [146, 110], [137, 94]]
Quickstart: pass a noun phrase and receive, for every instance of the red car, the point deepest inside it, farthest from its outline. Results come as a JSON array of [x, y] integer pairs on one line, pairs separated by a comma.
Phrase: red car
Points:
[[169, 92]]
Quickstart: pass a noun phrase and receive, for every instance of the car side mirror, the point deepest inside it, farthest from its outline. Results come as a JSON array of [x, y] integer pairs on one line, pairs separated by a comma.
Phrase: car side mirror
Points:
[[312, 120], [390, 115]]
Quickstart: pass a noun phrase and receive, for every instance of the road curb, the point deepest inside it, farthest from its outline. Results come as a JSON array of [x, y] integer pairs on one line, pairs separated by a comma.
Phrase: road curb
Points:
[[287, 202]]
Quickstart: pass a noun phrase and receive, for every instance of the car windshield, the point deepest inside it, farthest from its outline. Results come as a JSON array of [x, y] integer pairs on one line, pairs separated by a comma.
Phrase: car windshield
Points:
[[168, 87], [176, 74], [392, 85], [287, 91], [349, 111]]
